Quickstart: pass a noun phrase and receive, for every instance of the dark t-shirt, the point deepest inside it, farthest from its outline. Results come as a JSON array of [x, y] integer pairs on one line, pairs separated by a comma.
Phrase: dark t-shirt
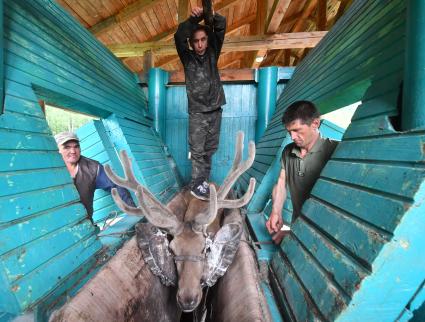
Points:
[[302, 173]]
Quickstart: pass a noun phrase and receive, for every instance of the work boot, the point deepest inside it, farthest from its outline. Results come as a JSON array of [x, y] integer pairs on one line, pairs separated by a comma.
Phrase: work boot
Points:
[[201, 190]]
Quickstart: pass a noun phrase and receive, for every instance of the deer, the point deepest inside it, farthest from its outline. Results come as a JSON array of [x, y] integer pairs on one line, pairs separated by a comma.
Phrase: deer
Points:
[[194, 232]]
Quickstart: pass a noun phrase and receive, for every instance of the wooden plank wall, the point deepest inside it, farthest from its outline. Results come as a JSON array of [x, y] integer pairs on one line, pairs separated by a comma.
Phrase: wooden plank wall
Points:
[[48, 245], [355, 253], [239, 113]]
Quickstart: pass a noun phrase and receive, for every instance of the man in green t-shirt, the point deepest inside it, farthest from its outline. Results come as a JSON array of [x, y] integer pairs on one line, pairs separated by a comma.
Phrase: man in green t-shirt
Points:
[[302, 162]]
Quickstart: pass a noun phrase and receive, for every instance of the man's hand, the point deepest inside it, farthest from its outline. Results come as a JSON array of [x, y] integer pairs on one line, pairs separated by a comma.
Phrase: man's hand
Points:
[[197, 12], [274, 223]]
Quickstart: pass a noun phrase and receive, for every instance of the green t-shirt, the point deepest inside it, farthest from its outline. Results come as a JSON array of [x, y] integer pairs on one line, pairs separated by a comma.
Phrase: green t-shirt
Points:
[[302, 173]]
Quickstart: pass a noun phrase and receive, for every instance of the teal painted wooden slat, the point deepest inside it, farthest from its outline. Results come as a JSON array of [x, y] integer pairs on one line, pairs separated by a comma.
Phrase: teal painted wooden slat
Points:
[[24, 160], [375, 126], [30, 27], [397, 271], [19, 122], [32, 228], [372, 207], [401, 181], [2, 95], [37, 201], [22, 106], [26, 141], [397, 148], [41, 179], [359, 240], [329, 300], [29, 257], [39, 283], [340, 267], [296, 297]]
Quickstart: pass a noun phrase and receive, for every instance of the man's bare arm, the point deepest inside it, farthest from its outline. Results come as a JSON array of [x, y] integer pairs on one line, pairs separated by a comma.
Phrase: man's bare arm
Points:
[[275, 221]]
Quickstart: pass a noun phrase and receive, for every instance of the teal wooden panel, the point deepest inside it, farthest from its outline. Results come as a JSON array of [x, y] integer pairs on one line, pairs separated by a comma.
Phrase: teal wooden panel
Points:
[[372, 207], [23, 205], [41, 179], [31, 229], [23, 260], [42, 281], [22, 106], [1, 61], [295, 296], [25, 160], [393, 148], [49, 56], [326, 296], [152, 166], [343, 269], [399, 180], [238, 114], [26, 141], [357, 238]]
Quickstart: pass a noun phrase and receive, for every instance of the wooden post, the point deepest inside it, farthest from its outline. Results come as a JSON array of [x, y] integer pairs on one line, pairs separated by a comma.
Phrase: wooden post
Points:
[[413, 114]]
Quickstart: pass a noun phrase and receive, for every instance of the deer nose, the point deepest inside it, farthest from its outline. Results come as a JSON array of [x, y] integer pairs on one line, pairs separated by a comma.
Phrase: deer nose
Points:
[[188, 304]]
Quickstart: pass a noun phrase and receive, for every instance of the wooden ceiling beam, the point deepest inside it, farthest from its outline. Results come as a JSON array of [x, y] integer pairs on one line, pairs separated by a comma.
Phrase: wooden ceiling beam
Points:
[[123, 15], [276, 15], [246, 43]]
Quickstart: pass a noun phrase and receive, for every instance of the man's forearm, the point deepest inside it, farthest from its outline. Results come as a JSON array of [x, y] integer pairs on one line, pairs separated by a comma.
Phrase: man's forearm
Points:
[[279, 194]]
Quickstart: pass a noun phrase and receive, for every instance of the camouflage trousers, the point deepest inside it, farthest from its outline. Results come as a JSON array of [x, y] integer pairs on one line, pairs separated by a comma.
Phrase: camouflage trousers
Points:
[[204, 134]]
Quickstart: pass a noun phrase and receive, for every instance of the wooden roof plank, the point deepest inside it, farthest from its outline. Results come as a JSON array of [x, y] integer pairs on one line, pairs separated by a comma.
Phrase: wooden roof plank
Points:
[[123, 15], [276, 15], [246, 43], [183, 12]]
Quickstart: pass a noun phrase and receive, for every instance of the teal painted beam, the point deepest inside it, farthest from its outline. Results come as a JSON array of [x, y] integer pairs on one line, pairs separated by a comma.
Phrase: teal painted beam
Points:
[[1, 60], [157, 99], [413, 115], [266, 102]]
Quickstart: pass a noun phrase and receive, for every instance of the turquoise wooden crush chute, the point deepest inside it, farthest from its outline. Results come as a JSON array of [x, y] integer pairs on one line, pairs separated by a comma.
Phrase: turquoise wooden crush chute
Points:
[[354, 255]]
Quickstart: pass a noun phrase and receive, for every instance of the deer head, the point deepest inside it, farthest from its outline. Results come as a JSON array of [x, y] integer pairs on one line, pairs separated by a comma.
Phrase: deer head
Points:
[[190, 243]]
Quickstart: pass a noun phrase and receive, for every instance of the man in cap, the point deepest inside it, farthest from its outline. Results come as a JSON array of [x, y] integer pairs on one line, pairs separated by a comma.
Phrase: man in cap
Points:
[[88, 174]]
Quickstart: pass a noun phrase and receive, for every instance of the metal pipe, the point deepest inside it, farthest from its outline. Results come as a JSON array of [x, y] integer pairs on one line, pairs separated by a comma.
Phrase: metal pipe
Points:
[[266, 99], [413, 113], [158, 78]]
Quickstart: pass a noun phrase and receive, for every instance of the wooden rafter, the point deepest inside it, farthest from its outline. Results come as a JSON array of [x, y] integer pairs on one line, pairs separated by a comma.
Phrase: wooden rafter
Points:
[[135, 9], [247, 43], [276, 15], [311, 5], [183, 10], [258, 29], [321, 15], [123, 15]]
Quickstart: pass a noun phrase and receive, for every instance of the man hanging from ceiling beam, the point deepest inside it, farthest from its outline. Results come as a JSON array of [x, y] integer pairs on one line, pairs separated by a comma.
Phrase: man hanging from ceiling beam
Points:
[[203, 87]]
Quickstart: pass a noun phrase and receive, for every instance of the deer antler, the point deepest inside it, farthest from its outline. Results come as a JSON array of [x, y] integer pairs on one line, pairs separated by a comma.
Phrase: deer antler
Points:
[[156, 213], [217, 200], [236, 171]]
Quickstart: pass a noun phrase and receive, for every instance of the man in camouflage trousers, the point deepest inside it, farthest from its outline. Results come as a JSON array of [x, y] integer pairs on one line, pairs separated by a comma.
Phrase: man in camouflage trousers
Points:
[[204, 92]]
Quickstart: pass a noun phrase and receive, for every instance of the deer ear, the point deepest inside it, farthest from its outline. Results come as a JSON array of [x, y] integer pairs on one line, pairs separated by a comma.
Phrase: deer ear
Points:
[[153, 245], [222, 252]]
